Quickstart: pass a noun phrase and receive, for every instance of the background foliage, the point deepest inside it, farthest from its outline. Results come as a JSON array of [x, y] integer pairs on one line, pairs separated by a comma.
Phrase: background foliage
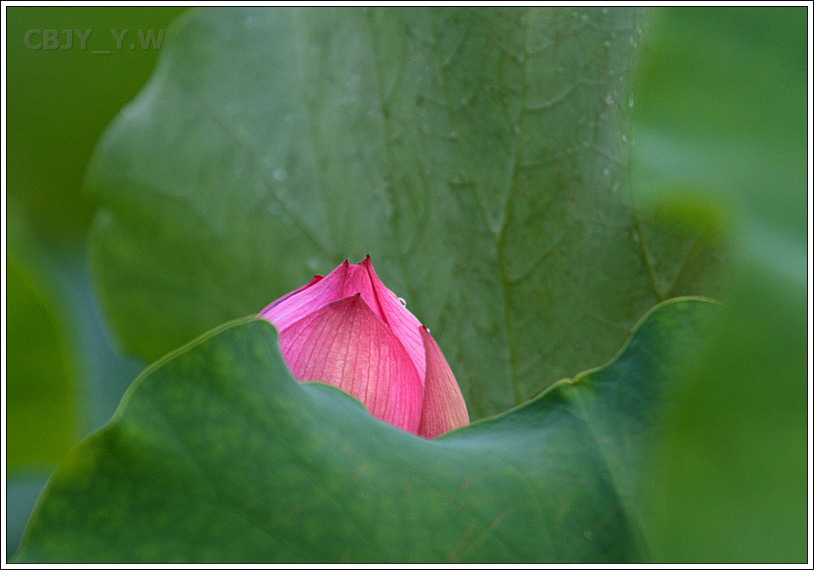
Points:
[[59, 102], [722, 130], [720, 152]]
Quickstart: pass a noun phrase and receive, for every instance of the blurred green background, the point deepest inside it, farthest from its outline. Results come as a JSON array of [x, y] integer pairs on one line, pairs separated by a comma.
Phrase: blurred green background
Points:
[[64, 377], [720, 135]]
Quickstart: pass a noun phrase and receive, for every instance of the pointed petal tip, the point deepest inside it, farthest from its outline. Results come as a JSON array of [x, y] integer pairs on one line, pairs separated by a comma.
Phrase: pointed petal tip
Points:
[[367, 263], [318, 292]]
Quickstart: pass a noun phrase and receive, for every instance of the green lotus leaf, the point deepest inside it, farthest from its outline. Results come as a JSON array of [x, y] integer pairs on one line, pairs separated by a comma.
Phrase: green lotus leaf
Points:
[[218, 455]]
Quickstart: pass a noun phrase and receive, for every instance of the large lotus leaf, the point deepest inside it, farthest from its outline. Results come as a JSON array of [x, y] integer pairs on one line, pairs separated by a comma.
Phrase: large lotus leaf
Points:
[[218, 455], [479, 155]]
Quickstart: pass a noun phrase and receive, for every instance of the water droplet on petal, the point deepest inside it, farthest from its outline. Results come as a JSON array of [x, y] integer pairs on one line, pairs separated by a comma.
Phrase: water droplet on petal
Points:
[[403, 302]]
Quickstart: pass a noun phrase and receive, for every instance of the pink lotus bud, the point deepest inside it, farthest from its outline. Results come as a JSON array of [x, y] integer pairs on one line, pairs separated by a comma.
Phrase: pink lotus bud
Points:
[[350, 331]]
